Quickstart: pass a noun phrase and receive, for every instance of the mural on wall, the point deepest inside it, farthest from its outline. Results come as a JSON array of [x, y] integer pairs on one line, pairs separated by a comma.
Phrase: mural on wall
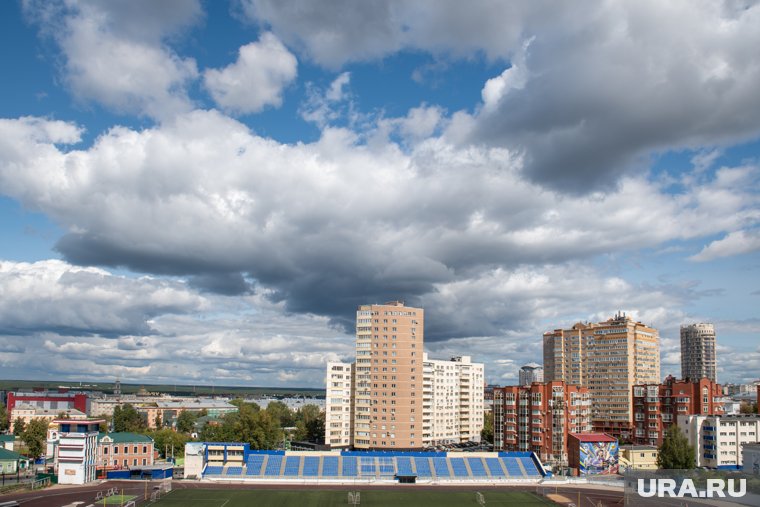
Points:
[[599, 458]]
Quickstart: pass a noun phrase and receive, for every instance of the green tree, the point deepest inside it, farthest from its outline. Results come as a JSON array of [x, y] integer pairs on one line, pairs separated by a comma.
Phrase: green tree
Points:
[[4, 418], [105, 426], [282, 413], [18, 426], [34, 437], [186, 421], [158, 422], [748, 407], [166, 438], [675, 451], [127, 418], [486, 434]]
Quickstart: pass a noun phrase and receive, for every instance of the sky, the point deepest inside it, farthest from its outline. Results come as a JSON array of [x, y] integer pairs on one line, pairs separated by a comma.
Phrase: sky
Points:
[[203, 192]]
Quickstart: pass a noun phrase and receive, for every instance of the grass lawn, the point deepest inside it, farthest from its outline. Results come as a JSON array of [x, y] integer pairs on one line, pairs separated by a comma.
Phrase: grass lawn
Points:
[[396, 498]]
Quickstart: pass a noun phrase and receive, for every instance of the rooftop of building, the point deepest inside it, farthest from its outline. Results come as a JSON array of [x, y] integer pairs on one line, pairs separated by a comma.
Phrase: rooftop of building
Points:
[[6, 455], [79, 421], [7, 438], [48, 394], [195, 403], [593, 437], [638, 447]]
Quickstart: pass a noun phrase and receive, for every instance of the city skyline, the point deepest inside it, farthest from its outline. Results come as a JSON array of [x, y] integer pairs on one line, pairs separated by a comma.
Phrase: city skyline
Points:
[[204, 192]]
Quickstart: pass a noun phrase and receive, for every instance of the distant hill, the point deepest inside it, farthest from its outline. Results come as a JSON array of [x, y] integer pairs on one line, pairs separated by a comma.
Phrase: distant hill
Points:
[[174, 389]]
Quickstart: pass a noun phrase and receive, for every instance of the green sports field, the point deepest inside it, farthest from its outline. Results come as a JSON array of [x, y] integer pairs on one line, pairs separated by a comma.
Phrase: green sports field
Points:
[[395, 498]]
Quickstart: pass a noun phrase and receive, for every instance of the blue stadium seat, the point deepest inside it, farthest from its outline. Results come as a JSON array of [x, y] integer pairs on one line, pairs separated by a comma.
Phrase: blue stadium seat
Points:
[[404, 466], [423, 467], [387, 466], [459, 468], [349, 467], [215, 470], [273, 465], [330, 466], [476, 467], [253, 467], [368, 466], [292, 464], [495, 467], [530, 467], [513, 469], [441, 467], [234, 471], [311, 466]]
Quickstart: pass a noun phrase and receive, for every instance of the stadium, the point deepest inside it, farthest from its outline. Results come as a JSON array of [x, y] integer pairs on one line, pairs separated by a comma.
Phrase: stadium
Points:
[[225, 462]]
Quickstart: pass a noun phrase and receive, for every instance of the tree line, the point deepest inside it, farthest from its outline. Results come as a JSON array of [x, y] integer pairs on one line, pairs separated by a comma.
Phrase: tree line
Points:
[[261, 428]]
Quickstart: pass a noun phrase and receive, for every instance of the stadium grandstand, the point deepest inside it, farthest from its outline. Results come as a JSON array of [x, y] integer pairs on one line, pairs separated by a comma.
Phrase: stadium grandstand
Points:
[[237, 462]]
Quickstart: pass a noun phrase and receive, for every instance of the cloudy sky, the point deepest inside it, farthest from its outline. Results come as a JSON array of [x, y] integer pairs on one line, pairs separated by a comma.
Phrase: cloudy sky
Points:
[[203, 192]]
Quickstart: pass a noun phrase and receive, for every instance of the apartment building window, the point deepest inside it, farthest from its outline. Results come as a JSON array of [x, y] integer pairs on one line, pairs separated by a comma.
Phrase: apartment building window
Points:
[[116, 449]]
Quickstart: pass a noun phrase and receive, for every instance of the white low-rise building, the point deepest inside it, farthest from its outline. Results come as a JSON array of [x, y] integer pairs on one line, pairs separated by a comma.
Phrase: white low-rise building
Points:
[[77, 451], [718, 440]]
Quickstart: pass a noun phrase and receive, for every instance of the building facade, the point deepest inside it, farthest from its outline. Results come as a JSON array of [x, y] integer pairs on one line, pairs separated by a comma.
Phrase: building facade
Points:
[[26, 413], [339, 397], [638, 457], [453, 401], [540, 417], [395, 397], [593, 454], [76, 453], [609, 358], [698, 357], [531, 372], [718, 440], [124, 450], [657, 406], [49, 400], [388, 394]]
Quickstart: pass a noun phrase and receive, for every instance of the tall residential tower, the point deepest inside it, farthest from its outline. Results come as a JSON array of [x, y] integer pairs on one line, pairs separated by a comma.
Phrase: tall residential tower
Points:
[[388, 393], [609, 358], [698, 359], [394, 396]]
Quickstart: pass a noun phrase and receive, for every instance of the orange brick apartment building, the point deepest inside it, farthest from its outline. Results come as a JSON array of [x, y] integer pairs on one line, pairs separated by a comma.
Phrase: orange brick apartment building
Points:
[[539, 417]]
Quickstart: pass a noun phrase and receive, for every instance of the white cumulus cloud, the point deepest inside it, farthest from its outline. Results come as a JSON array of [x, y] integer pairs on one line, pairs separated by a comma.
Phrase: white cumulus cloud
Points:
[[256, 79]]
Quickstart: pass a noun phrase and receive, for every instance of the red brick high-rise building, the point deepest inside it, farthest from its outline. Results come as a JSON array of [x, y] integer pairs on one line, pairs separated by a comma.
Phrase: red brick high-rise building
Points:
[[539, 417], [657, 406]]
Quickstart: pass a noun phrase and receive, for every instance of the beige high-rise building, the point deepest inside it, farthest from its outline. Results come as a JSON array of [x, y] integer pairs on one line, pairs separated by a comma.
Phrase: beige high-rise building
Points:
[[394, 396], [609, 358], [698, 358], [388, 393]]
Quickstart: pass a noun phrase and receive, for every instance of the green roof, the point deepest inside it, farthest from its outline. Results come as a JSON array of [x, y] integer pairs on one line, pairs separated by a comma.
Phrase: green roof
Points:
[[7, 438], [125, 437], [6, 455]]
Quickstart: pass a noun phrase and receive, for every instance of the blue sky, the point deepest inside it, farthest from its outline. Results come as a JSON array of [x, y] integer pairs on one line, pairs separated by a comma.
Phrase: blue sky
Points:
[[204, 191]]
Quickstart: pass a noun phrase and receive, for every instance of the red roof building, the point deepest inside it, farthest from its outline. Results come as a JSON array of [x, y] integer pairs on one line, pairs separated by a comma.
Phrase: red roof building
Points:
[[656, 407]]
